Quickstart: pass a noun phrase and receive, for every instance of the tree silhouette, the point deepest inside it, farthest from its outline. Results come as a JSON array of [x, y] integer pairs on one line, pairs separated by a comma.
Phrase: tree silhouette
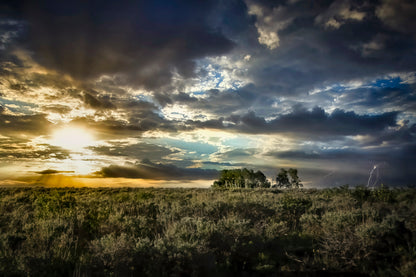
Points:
[[282, 180], [294, 178], [288, 178], [241, 178]]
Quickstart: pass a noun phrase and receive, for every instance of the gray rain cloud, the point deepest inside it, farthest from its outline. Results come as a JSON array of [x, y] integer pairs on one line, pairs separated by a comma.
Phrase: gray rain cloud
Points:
[[148, 170], [316, 123]]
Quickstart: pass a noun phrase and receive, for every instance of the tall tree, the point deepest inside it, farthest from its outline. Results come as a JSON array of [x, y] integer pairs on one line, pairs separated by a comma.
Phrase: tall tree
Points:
[[294, 178], [282, 180], [288, 178]]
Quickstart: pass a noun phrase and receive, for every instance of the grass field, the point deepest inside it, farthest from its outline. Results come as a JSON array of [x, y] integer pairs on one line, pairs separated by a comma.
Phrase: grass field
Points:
[[202, 232]]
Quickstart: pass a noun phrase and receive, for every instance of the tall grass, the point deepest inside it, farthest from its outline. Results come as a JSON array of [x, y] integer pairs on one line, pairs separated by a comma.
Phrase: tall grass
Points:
[[201, 232]]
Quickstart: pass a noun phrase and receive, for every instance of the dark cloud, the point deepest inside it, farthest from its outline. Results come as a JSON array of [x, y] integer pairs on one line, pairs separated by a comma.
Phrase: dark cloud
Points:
[[222, 103], [46, 79], [100, 102], [208, 124], [149, 170], [143, 42], [314, 123], [297, 155], [402, 136], [398, 15], [310, 55], [315, 155], [339, 13], [219, 163], [31, 153], [135, 124], [18, 87], [182, 97], [400, 165], [51, 171], [104, 99], [387, 96], [353, 166], [317, 121], [237, 154], [10, 29], [36, 124], [19, 148], [136, 105], [139, 151], [61, 109]]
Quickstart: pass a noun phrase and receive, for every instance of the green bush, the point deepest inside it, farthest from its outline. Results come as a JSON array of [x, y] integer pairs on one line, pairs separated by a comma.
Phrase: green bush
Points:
[[205, 232]]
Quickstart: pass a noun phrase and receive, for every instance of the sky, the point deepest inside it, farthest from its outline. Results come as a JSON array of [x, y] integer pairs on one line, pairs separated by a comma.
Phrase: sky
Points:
[[168, 93]]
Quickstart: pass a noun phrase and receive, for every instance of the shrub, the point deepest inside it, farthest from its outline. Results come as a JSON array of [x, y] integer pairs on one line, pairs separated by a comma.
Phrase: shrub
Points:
[[204, 232]]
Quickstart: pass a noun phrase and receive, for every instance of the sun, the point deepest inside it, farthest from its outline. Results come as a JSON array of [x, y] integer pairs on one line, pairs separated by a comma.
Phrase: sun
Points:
[[72, 138]]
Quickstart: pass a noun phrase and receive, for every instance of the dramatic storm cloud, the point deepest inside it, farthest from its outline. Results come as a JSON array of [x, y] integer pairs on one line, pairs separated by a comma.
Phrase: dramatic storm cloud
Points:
[[178, 90], [142, 42]]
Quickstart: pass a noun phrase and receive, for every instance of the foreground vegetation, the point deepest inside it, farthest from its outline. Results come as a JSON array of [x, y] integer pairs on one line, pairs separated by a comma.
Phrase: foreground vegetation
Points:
[[201, 232]]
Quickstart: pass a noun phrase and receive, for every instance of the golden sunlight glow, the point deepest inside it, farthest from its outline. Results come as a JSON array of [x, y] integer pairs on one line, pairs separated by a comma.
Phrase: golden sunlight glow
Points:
[[72, 138]]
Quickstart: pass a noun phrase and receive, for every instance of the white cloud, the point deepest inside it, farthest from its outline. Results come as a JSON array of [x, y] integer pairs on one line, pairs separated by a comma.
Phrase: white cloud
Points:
[[180, 112], [338, 13], [247, 58], [269, 22], [374, 45], [408, 77], [222, 73], [332, 23], [344, 86]]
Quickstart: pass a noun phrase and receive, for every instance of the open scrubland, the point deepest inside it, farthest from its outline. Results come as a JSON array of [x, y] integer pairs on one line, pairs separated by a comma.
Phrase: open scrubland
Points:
[[201, 232]]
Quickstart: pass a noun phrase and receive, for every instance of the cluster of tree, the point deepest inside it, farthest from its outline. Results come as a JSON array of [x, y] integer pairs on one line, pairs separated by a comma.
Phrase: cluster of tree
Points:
[[247, 178], [241, 178], [288, 179]]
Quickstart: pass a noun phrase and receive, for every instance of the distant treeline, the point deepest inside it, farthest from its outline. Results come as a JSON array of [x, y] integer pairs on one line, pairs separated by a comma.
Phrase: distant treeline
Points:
[[247, 178], [241, 178]]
